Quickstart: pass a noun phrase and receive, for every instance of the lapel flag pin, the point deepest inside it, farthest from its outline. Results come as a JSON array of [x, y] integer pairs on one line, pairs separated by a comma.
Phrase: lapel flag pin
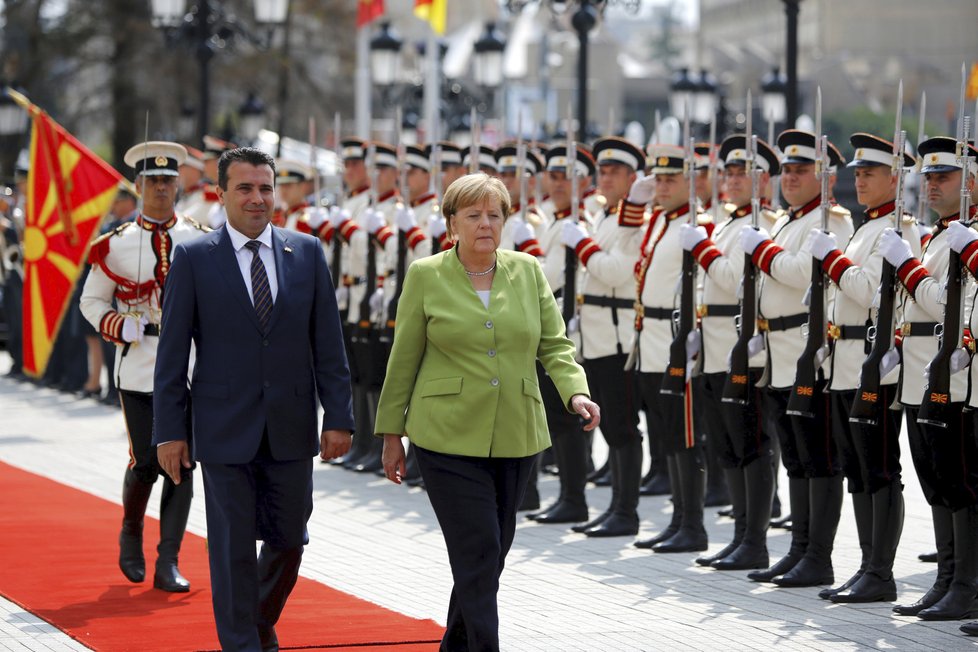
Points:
[[288, 250]]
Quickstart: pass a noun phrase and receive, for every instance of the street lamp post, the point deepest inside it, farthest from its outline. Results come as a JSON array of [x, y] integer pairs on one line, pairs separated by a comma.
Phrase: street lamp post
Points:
[[13, 125], [208, 26], [487, 68], [251, 118], [583, 21], [773, 97], [791, 59]]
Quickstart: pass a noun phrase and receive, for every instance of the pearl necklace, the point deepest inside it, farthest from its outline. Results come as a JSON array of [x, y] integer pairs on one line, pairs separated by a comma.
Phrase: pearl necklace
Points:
[[488, 271]]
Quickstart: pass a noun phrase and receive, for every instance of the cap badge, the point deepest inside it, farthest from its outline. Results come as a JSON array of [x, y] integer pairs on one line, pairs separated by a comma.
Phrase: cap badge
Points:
[[933, 158], [859, 153], [662, 161], [793, 150], [160, 160]]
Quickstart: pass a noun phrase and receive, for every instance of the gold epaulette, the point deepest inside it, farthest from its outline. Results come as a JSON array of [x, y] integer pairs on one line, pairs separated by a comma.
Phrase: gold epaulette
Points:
[[773, 215], [197, 225], [840, 211], [704, 217], [729, 207], [116, 231]]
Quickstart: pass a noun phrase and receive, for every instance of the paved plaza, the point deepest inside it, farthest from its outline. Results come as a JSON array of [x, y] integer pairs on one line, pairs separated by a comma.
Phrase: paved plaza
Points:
[[560, 591]]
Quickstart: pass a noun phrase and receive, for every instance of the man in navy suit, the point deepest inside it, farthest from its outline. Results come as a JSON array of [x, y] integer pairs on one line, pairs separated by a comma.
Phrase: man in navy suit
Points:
[[258, 304]]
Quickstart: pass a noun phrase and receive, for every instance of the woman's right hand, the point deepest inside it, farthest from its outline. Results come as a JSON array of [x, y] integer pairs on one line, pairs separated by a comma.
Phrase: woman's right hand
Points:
[[393, 458]]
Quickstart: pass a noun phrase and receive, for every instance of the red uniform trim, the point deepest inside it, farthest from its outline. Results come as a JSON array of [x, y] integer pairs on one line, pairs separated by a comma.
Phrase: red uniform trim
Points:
[[110, 327], [765, 254], [969, 256], [585, 249], [415, 236], [835, 265], [384, 234], [630, 214], [532, 247], [347, 229], [911, 273], [705, 252]]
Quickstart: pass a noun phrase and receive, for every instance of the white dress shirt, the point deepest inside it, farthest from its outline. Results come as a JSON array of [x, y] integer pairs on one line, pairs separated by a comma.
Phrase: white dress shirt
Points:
[[244, 255]]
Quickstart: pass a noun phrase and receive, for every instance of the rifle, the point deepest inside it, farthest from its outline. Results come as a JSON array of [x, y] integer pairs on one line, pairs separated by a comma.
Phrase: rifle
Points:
[[674, 380], [570, 256], [364, 324], [802, 400], [336, 265], [775, 187], [937, 395], [521, 167], [922, 203], [866, 406], [400, 267], [736, 388], [474, 149]]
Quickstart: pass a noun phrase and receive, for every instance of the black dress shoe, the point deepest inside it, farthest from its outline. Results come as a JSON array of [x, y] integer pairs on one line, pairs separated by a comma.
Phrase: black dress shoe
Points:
[[745, 557], [971, 629], [684, 540], [615, 525], [592, 523], [268, 638], [780, 567], [928, 557], [718, 555], [168, 578], [807, 572], [929, 599], [868, 588], [825, 594], [131, 560], [647, 544], [563, 512], [959, 603]]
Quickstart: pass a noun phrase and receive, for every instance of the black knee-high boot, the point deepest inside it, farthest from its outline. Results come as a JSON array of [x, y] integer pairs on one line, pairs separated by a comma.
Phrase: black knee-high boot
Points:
[[737, 488], [944, 538], [752, 551], [815, 567], [174, 511], [135, 496], [862, 508], [798, 499], [876, 584], [691, 536], [677, 508], [961, 600], [626, 478], [571, 454]]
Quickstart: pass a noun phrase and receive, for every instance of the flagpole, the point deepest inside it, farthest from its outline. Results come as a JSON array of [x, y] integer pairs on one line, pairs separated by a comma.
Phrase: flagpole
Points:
[[432, 82]]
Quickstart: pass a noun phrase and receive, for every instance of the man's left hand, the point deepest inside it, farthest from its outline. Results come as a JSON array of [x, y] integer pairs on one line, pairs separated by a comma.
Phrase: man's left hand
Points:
[[588, 410], [572, 234], [334, 443]]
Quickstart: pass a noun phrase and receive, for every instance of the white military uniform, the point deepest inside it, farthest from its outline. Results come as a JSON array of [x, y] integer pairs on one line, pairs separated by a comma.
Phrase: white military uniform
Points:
[[554, 260], [925, 306], [608, 258], [721, 287], [787, 276], [855, 293], [129, 266], [357, 267]]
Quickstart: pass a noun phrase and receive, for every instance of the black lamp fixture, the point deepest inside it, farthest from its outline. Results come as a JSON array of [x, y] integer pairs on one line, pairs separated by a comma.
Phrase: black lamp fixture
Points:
[[774, 96], [13, 118], [385, 55], [488, 60], [682, 90], [251, 118]]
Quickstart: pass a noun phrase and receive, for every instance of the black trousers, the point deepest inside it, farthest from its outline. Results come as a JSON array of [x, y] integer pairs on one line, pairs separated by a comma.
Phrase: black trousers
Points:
[[137, 411], [734, 431], [614, 389], [264, 499], [475, 501], [946, 459], [666, 421], [870, 454]]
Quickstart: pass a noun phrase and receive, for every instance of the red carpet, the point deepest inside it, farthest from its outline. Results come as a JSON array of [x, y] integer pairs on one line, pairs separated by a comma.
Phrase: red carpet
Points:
[[58, 560]]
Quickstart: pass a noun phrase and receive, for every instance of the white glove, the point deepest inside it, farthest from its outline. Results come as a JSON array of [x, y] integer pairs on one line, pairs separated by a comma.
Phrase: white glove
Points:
[[436, 227], [690, 236], [889, 362], [521, 231], [959, 236], [960, 359], [572, 233], [751, 238], [755, 345], [643, 190], [821, 243], [375, 221], [894, 248], [317, 217], [132, 328], [405, 219], [342, 296], [377, 300], [338, 215]]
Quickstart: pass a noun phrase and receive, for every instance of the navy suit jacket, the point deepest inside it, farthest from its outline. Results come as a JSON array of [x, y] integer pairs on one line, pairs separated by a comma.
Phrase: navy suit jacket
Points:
[[246, 380]]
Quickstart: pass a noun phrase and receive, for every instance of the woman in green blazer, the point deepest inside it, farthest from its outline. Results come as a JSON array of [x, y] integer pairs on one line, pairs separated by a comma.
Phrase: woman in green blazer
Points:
[[461, 384]]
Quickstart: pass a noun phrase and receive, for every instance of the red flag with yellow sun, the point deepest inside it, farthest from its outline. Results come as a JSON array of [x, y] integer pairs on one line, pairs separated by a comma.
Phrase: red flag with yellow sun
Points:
[[69, 191]]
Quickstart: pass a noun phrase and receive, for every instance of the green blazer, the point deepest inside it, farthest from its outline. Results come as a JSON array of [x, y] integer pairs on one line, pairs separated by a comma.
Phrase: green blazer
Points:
[[461, 378]]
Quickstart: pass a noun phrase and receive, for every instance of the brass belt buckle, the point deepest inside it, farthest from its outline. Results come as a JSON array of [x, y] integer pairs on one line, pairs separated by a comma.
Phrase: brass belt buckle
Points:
[[639, 309], [905, 329], [763, 324], [701, 310], [835, 332], [580, 299]]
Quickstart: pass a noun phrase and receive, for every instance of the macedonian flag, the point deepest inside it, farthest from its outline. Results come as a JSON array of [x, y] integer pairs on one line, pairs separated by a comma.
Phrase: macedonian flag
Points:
[[69, 191]]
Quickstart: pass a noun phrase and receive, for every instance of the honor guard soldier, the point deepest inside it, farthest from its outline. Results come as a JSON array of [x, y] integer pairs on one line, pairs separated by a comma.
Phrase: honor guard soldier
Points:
[[964, 240], [421, 199], [870, 452], [192, 186], [735, 431], [945, 458], [608, 253], [807, 445], [129, 268], [515, 178], [565, 430], [707, 176], [657, 274], [366, 301], [294, 184]]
